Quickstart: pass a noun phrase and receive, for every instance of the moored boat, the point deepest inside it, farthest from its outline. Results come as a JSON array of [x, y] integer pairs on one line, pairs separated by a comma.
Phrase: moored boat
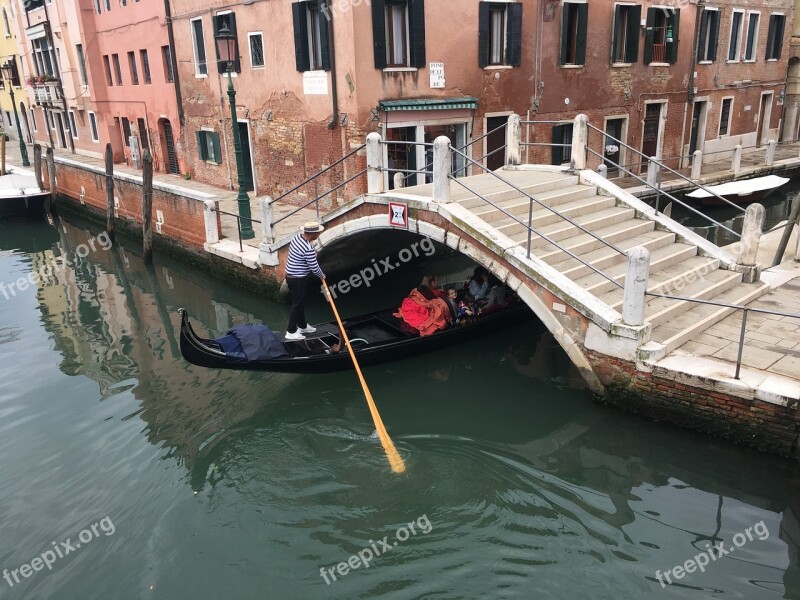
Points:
[[739, 192], [376, 338], [20, 196]]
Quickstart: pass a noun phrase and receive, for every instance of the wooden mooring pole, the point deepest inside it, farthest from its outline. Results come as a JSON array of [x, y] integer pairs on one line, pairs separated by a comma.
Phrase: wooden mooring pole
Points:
[[794, 216], [3, 153], [147, 206], [109, 192], [37, 164], [51, 174]]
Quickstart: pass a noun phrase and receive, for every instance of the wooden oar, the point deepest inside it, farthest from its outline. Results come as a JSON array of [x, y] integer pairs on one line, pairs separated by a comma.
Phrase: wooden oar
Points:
[[395, 460]]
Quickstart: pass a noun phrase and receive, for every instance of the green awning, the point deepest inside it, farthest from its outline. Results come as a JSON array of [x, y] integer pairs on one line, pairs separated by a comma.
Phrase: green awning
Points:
[[429, 104]]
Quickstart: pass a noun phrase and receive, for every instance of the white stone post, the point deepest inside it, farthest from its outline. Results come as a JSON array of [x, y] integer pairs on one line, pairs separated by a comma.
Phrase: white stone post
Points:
[[210, 217], [267, 218], [374, 164], [736, 162], [697, 164], [748, 247], [602, 170], [399, 180], [636, 277], [652, 171], [580, 136], [442, 169], [769, 158], [514, 140]]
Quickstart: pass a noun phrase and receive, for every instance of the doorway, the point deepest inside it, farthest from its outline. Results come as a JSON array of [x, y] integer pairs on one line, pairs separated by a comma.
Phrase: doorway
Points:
[[170, 157], [562, 144], [764, 117], [144, 139], [402, 158], [25, 125], [457, 133], [247, 156], [495, 142], [59, 122], [651, 132], [612, 148], [697, 135]]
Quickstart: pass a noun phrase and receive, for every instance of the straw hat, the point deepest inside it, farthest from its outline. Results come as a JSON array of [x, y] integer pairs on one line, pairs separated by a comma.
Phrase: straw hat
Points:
[[313, 227]]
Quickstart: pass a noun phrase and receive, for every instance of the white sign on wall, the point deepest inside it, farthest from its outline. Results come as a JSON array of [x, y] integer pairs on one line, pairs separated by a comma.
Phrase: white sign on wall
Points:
[[315, 83], [437, 75]]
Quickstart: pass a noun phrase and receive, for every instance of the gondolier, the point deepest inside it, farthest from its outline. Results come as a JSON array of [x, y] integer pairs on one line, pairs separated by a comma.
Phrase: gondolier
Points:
[[301, 269]]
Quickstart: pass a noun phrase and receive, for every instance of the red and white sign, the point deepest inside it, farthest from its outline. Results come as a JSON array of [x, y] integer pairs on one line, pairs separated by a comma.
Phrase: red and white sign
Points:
[[398, 214]]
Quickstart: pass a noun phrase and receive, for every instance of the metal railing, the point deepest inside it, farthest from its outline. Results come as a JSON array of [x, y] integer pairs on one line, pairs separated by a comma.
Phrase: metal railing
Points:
[[238, 224]]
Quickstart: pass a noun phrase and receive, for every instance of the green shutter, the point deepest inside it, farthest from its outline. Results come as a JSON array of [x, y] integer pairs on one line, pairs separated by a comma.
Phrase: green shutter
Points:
[[514, 41], [416, 13], [324, 38], [483, 34], [217, 151], [614, 41], [648, 37], [714, 41], [583, 19], [558, 138], [779, 36], [379, 32], [564, 33], [301, 55], [632, 47], [672, 49], [200, 145], [701, 37]]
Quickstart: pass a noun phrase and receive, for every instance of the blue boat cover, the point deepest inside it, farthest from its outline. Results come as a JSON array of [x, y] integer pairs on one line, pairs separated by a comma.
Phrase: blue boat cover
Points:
[[255, 342]]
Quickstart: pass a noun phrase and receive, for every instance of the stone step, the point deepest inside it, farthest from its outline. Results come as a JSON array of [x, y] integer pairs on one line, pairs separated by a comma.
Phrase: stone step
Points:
[[659, 259], [693, 322], [563, 229], [542, 216], [585, 242], [500, 192], [605, 257], [670, 279], [661, 310], [519, 205]]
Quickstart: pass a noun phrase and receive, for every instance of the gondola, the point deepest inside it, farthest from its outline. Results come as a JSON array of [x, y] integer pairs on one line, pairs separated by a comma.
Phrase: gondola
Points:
[[376, 338], [740, 192]]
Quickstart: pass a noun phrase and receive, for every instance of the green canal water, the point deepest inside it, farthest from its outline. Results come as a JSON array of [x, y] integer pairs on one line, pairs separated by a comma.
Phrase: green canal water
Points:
[[204, 484]]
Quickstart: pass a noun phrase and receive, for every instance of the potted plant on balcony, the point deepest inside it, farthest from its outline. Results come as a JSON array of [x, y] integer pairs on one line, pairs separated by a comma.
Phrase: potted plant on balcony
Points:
[[35, 80]]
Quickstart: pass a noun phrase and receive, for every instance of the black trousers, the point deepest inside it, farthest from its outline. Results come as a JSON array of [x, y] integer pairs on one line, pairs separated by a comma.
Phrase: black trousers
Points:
[[299, 287]]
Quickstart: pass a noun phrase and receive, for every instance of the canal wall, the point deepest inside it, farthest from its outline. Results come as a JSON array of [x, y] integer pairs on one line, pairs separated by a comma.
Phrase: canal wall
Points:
[[728, 410]]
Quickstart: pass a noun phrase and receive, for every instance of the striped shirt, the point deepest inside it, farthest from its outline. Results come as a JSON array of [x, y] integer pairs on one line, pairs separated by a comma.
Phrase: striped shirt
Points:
[[302, 259]]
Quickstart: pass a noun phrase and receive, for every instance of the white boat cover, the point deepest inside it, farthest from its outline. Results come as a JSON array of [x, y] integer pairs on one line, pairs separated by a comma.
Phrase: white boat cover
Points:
[[743, 187], [17, 185]]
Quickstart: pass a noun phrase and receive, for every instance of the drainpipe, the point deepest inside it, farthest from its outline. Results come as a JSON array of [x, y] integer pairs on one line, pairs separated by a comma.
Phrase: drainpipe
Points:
[[334, 92], [58, 80], [701, 4]]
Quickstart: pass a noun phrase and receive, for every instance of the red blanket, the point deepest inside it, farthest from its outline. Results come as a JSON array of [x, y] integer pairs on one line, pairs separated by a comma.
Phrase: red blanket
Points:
[[426, 316]]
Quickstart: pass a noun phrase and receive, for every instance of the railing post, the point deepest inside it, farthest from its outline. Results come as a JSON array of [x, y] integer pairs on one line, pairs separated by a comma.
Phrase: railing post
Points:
[[748, 247], [399, 181], [374, 164], [442, 169], [514, 140], [769, 158], [267, 218], [736, 162], [602, 170], [635, 286], [697, 164], [741, 344], [652, 171], [580, 136], [210, 218]]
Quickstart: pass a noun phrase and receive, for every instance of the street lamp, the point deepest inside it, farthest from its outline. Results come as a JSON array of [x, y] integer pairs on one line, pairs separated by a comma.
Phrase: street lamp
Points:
[[9, 71], [226, 50]]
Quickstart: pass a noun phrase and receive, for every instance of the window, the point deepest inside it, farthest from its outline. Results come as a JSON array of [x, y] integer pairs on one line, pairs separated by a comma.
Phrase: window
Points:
[[661, 35], [625, 34], [398, 31], [775, 37], [199, 46], [6, 26], [33, 5], [97, 7], [43, 57], [707, 38], [126, 131], [72, 126], [33, 120], [108, 5], [574, 18], [725, 117], [752, 37], [228, 19], [134, 70], [117, 68], [499, 34], [166, 57], [256, 50], [81, 64], [311, 41], [735, 40], [208, 146], [145, 66], [107, 65], [93, 127]]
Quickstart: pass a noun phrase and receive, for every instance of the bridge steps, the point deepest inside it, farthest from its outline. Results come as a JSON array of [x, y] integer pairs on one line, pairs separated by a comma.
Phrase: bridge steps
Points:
[[584, 242], [542, 216], [562, 230], [519, 205], [498, 192]]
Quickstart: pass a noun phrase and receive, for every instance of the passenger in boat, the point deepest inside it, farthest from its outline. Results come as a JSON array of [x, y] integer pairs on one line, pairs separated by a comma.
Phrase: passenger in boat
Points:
[[458, 310], [430, 288], [301, 269], [426, 316], [479, 285]]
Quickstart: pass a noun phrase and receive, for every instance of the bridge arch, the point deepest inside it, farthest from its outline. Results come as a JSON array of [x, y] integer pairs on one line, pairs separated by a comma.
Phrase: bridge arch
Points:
[[448, 234]]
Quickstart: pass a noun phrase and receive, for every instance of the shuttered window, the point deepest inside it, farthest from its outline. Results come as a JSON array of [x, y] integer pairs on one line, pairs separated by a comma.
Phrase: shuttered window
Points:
[[311, 37], [708, 36], [735, 40], [208, 146], [662, 35], [752, 36], [775, 37], [228, 19], [625, 36], [499, 34], [574, 20], [398, 31], [725, 117]]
